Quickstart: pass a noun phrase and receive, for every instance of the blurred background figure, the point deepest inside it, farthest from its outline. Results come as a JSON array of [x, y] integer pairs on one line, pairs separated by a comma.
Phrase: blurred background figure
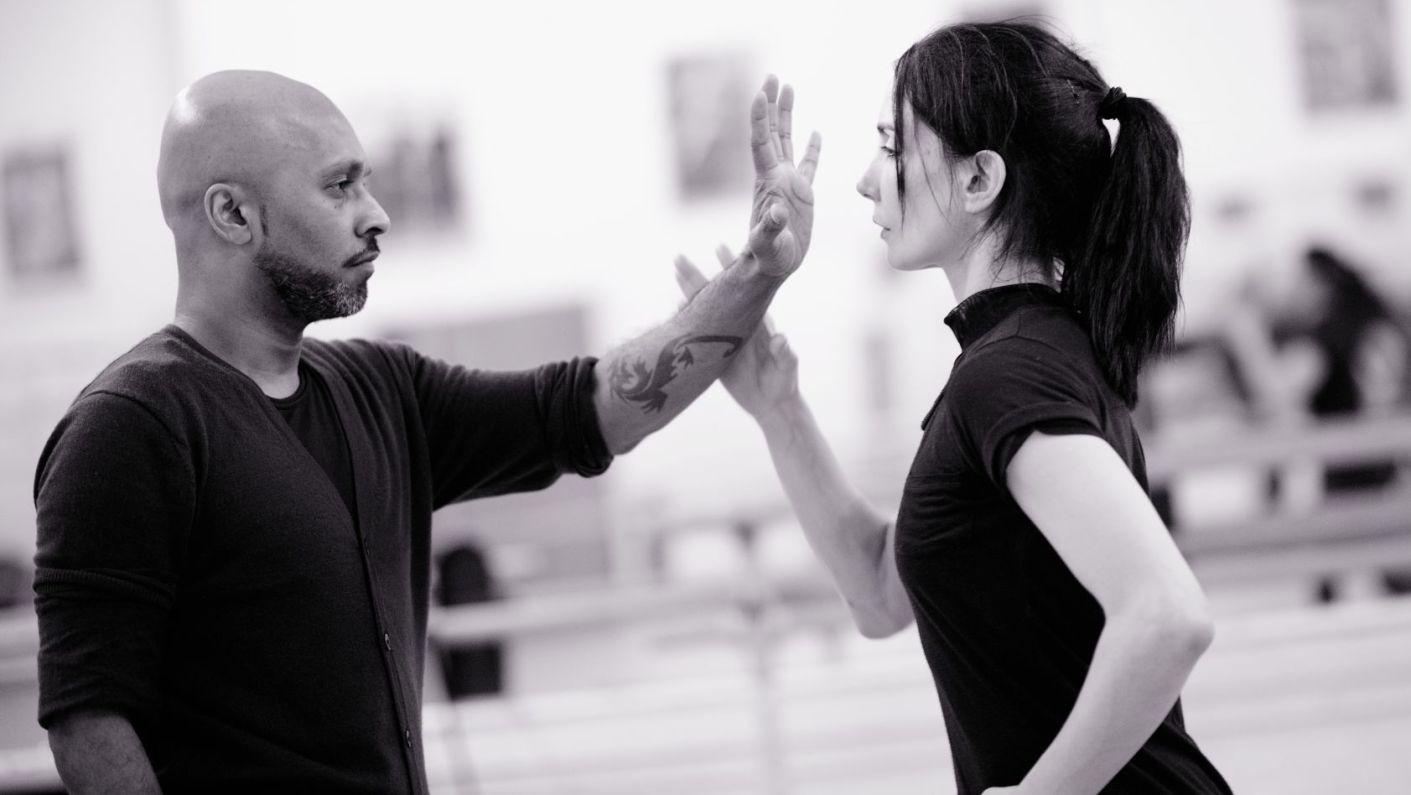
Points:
[[1361, 343], [1361, 354], [14, 582], [472, 669]]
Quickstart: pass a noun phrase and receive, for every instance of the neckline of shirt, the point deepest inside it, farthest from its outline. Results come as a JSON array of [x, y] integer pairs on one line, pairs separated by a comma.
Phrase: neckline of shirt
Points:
[[184, 337], [974, 317]]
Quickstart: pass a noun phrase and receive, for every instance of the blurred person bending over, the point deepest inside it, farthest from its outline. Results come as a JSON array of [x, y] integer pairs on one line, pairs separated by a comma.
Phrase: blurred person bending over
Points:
[[1363, 347], [233, 520], [1359, 341], [1058, 617]]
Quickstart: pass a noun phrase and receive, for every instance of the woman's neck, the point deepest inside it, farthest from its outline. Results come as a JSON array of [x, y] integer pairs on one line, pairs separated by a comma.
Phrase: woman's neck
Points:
[[982, 267]]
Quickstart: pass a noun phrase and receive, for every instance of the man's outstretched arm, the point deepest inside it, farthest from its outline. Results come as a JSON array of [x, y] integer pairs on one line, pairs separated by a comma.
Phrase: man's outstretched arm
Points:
[[644, 383], [647, 381]]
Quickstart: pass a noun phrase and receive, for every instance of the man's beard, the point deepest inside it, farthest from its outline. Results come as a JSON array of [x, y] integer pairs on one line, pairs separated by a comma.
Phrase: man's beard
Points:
[[309, 295]]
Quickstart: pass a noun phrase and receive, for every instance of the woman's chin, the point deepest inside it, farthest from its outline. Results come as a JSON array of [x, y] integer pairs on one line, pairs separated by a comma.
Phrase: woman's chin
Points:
[[906, 265]]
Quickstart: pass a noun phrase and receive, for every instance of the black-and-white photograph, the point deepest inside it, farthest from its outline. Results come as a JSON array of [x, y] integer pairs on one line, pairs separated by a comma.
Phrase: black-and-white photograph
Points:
[[755, 397]]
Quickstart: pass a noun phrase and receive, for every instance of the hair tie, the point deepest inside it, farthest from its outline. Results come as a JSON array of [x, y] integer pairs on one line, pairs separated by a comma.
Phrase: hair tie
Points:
[[1112, 103]]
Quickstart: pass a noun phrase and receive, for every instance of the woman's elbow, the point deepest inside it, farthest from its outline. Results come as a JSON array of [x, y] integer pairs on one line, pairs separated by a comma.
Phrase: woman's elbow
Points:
[[1196, 632], [1187, 628], [1175, 628], [876, 622]]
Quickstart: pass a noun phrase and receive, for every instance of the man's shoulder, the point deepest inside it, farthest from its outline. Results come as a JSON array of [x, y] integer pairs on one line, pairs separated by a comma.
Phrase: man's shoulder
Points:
[[163, 362], [143, 391], [358, 357]]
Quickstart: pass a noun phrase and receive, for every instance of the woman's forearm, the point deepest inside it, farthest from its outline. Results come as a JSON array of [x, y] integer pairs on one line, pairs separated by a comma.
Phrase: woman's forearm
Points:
[[1141, 663], [852, 538]]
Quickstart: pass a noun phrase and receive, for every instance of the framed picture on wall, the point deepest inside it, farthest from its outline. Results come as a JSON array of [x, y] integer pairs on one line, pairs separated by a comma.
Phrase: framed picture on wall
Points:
[[710, 122], [41, 239], [417, 151], [1347, 53], [417, 178]]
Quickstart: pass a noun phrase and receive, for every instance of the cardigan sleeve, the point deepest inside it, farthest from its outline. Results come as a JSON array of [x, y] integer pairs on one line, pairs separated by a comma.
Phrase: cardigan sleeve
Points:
[[115, 498], [493, 432]]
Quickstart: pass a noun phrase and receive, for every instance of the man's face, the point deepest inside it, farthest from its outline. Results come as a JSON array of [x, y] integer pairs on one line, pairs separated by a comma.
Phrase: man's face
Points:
[[320, 225]]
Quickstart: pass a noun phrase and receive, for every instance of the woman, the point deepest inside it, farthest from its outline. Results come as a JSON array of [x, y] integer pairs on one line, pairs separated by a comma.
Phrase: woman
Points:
[[1058, 618]]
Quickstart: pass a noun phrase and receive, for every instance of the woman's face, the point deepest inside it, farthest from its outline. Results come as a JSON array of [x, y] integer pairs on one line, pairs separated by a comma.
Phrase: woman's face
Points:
[[932, 232]]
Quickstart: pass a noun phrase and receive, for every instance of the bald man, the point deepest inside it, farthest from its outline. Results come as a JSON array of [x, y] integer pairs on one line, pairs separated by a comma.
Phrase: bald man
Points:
[[234, 520]]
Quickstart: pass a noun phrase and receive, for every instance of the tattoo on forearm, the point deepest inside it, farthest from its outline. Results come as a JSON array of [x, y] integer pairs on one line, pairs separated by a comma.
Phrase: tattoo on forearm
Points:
[[644, 384]]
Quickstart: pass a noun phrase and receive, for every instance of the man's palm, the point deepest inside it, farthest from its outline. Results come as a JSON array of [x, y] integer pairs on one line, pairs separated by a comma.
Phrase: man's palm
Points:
[[781, 216]]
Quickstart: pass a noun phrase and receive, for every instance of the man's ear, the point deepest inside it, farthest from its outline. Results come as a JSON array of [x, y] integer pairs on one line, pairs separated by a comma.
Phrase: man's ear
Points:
[[229, 214], [984, 174]]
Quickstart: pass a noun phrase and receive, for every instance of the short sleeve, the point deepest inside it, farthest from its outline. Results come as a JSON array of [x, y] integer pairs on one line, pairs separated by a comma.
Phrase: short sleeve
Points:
[[1010, 389], [500, 432], [115, 497]]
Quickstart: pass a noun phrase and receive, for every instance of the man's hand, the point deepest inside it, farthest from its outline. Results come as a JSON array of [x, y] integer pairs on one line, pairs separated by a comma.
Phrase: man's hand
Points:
[[781, 215], [645, 382]]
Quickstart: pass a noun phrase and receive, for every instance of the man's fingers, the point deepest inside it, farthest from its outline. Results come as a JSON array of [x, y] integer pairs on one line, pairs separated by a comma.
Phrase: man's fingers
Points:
[[771, 93], [761, 141], [766, 232], [809, 165], [771, 87], [688, 277], [786, 123]]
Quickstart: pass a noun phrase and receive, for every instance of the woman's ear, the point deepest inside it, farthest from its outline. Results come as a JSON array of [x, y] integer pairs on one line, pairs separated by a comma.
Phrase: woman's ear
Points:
[[983, 175]]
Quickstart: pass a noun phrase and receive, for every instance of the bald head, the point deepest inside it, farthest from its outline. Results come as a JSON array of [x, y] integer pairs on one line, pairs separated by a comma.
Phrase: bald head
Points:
[[242, 128], [264, 186]]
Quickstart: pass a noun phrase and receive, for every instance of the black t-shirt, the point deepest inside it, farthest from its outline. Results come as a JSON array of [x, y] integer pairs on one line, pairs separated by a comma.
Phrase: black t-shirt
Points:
[[1007, 630], [311, 414]]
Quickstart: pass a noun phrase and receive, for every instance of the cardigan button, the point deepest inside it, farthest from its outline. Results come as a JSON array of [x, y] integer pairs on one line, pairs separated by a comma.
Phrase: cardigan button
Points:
[[407, 736], [387, 641]]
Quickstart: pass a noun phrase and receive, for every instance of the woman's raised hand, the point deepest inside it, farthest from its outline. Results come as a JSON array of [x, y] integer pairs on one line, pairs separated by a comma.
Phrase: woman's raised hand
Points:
[[764, 372]]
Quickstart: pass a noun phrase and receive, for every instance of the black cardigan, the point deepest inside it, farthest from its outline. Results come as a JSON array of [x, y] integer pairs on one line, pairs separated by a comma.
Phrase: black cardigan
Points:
[[198, 573]]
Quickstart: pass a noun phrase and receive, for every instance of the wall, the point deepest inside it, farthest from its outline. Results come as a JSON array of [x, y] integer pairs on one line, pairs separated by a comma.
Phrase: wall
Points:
[[565, 159]]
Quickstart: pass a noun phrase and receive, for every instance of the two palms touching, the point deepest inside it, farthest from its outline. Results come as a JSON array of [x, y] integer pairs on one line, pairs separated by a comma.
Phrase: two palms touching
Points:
[[765, 371]]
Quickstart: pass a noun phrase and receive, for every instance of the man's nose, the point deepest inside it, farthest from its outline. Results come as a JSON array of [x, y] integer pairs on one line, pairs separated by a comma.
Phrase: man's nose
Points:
[[374, 220]]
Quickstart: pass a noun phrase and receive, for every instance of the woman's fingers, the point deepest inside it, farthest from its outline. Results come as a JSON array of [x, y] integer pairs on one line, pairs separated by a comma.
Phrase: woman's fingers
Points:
[[688, 277]]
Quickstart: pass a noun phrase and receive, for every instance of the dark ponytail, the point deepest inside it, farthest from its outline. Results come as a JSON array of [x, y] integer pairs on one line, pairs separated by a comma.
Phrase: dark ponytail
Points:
[[1125, 280], [1113, 219]]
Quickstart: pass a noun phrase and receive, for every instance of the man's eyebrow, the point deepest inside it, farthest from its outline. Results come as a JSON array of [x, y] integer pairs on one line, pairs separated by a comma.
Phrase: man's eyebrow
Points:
[[352, 167]]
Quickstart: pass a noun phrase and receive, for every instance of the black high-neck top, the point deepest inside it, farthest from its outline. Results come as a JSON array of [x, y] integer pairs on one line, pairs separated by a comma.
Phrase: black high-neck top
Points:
[[1007, 630]]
